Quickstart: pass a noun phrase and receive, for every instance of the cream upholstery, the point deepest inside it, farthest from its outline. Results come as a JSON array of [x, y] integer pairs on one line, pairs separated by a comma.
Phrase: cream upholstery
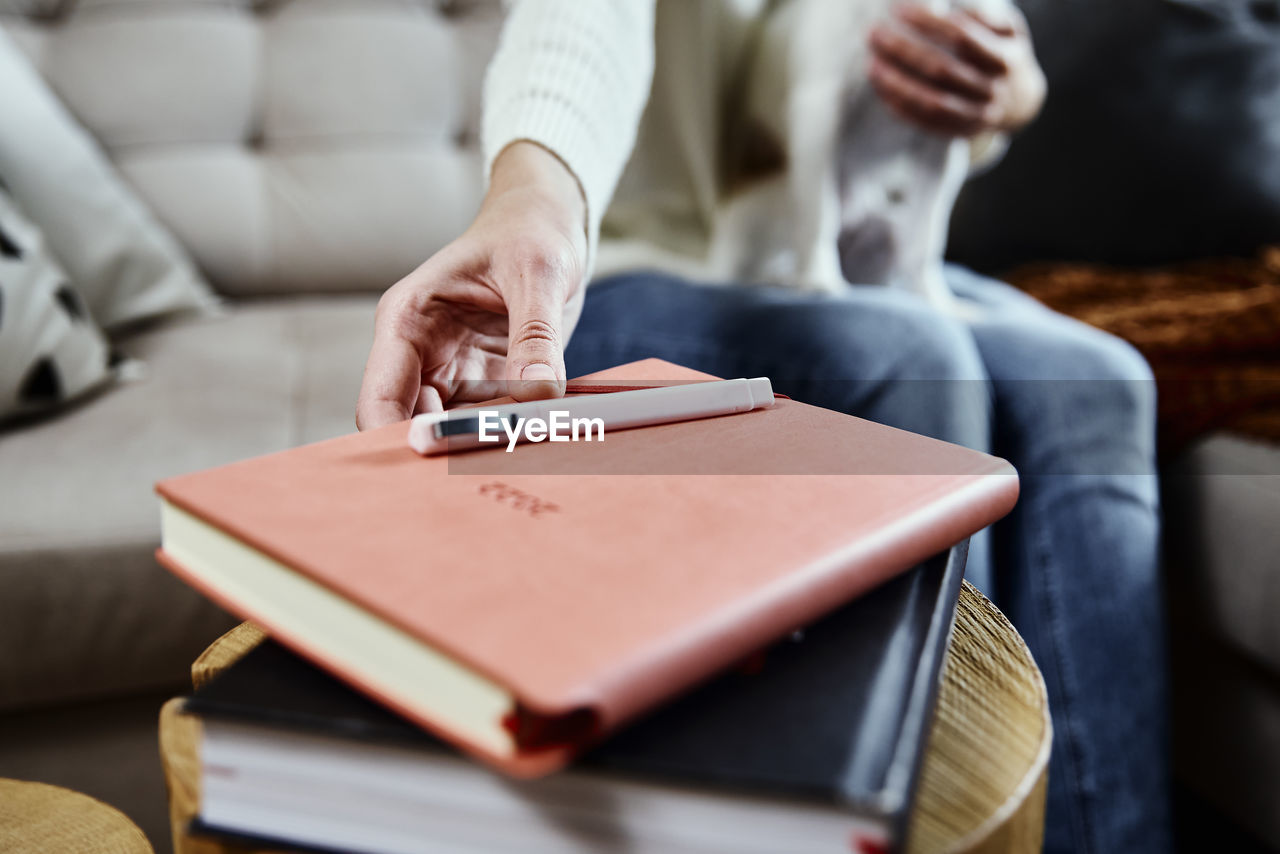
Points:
[[294, 146], [83, 597]]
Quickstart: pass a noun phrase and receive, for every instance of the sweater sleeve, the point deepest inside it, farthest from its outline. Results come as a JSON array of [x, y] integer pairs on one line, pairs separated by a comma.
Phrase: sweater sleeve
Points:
[[572, 76]]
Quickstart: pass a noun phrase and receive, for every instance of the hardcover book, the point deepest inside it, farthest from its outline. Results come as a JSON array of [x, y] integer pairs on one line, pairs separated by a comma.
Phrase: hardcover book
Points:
[[813, 746], [525, 605]]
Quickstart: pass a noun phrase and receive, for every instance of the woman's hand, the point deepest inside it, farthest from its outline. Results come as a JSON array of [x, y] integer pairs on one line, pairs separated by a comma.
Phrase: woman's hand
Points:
[[958, 74], [489, 314]]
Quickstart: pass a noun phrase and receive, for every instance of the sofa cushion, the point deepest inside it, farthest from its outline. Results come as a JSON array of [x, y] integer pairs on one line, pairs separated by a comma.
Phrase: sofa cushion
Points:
[[1222, 500], [124, 263], [293, 145], [86, 610]]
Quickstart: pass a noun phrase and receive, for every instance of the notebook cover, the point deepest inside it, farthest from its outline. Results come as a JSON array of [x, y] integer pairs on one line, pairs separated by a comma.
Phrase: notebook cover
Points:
[[635, 587], [837, 714]]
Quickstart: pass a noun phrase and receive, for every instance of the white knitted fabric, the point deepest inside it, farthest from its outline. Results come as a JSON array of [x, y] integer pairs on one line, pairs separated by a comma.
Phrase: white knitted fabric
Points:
[[577, 75], [573, 77]]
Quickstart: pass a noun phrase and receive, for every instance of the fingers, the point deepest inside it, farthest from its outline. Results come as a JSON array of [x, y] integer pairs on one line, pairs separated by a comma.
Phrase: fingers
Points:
[[916, 56], [443, 337], [963, 35], [949, 74], [392, 380], [925, 105], [429, 400], [536, 284], [392, 386], [535, 349], [1010, 23]]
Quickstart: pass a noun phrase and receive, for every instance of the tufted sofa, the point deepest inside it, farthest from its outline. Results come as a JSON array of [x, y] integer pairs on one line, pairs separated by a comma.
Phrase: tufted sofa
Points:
[[307, 153]]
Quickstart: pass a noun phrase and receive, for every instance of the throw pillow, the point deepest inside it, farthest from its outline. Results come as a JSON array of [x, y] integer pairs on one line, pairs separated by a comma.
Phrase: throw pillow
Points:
[[50, 350], [123, 262], [1159, 141]]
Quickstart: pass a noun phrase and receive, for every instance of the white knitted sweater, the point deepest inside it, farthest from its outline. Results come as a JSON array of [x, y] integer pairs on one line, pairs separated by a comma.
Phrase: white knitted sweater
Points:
[[650, 103]]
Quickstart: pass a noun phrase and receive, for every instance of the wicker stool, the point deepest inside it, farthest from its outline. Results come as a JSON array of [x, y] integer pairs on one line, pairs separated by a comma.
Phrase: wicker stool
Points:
[[43, 819], [982, 786]]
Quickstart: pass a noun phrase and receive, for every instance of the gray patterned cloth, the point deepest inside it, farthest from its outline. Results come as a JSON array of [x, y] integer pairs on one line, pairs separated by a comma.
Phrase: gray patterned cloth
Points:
[[50, 350]]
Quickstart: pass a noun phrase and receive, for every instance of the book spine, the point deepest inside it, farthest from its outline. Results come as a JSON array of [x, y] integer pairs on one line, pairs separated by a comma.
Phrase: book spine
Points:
[[908, 758]]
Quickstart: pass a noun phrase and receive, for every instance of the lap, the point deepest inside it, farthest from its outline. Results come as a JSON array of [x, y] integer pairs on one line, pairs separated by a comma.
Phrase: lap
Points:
[[872, 352], [858, 335], [1038, 380], [1070, 398], [1022, 339]]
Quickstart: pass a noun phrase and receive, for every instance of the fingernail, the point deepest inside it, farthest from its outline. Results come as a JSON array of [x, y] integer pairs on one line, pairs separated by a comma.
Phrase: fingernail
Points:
[[538, 372]]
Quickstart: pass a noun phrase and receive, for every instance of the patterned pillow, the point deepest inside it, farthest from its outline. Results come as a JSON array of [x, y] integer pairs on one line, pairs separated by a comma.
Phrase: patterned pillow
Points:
[[50, 350], [124, 263]]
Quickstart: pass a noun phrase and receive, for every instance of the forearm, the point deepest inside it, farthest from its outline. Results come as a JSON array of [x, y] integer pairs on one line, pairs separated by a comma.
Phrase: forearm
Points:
[[530, 169], [573, 77]]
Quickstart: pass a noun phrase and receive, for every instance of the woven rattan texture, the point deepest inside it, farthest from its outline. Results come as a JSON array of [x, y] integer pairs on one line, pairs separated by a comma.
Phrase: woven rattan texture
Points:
[[1211, 331], [36, 818]]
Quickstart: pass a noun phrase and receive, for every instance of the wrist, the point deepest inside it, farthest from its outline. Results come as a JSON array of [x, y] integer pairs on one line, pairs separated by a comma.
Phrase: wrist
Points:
[[528, 168]]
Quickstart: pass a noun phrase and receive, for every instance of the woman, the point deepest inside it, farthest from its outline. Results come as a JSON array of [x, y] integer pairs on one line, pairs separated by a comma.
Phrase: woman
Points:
[[580, 92]]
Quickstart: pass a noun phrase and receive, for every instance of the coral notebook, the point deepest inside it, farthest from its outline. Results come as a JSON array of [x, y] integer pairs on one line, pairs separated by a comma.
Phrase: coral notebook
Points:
[[523, 605]]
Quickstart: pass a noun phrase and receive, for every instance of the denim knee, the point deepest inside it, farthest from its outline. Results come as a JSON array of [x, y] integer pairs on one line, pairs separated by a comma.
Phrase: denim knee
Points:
[[879, 336], [880, 354], [1074, 399], [1133, 399], [1109, 380], [904, 365]]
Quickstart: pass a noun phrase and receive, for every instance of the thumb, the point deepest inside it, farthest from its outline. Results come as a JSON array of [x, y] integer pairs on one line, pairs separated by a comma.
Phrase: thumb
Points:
[[535, 343]]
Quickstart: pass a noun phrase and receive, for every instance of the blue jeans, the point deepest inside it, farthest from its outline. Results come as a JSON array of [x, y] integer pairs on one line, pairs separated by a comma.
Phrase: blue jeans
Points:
[[1075, 566]]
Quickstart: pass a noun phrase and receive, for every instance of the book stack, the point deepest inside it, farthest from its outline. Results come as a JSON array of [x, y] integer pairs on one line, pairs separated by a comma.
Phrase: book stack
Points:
[[691, 659]]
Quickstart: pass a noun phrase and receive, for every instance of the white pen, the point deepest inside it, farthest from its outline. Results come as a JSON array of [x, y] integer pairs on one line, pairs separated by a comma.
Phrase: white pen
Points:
[[583, 418]]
